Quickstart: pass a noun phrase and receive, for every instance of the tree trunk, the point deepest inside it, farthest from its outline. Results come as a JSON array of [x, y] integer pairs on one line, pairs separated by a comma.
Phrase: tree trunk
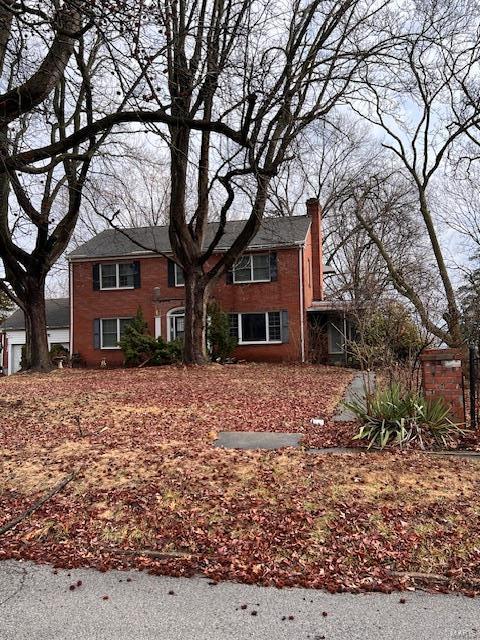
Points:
[[196, 298], [37, 357], [452, 316]]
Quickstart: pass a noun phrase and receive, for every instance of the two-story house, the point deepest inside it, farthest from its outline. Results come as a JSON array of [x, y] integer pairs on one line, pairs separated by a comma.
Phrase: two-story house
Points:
[[268, 294]]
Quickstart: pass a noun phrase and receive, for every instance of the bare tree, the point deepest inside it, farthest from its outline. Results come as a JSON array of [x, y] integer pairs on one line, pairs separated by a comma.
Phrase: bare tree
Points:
[[459, 203], [21, 107], [424, 103], [269, 71], [343, 164], [54, 61], [232, 102]]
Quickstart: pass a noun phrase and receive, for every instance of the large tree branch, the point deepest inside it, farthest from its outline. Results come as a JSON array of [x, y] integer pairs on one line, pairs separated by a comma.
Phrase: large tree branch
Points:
[[35, 155], [38, 87]]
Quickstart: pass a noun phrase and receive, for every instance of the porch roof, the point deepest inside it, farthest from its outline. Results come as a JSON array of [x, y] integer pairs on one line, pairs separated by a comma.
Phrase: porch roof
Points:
[[330, 305]]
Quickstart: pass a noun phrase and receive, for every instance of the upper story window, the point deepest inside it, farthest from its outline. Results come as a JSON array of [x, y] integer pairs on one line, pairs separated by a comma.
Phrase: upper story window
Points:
[[120, 275], [176, 276], [253, 267], [117, 276], [179, 276]]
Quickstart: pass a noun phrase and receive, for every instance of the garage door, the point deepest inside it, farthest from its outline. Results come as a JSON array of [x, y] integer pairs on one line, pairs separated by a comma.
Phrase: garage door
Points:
[[16, 357]]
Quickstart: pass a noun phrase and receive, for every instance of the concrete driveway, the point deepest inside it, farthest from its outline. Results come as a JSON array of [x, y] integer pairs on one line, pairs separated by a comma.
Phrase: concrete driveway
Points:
[[37, 604]]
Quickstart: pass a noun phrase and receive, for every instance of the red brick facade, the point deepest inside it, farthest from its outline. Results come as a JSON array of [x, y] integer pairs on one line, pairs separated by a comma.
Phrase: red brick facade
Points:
[[442, 376], [299, 280]]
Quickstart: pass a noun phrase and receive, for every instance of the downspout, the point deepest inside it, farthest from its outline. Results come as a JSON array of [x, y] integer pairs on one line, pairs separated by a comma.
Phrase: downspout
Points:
[[70, 291], [4, 352], [302, 310]]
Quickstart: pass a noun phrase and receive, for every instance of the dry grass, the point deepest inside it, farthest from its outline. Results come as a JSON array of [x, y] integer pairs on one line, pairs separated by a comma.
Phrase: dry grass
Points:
[[150, 479]]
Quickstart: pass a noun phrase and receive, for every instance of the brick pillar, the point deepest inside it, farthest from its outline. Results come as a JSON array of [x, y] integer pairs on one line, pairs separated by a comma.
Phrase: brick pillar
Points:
[[442, 376]]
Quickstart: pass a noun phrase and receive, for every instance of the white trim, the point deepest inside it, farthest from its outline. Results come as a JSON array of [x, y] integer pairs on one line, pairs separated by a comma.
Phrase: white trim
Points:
[[329, 334], [70, 290], [176, 269], [267, 328], [118, 331], [168, 254], [171, 313], [158, 326], [302, 310], [117, 277], [18, 338], [251, 281], [10, 354]]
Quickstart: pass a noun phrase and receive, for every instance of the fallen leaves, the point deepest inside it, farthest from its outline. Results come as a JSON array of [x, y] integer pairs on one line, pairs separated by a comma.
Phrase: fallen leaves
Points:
[[154, 494]]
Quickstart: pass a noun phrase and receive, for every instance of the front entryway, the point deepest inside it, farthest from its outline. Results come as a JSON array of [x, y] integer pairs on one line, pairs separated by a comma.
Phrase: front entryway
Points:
[[330, 330], [176, 323]]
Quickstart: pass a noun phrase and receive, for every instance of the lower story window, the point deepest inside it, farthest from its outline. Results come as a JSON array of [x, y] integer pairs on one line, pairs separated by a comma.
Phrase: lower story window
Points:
[[112, 330], [336, 339], [251, 328]]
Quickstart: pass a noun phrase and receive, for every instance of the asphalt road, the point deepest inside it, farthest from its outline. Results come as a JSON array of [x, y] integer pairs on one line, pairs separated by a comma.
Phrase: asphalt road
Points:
[[36, 604]]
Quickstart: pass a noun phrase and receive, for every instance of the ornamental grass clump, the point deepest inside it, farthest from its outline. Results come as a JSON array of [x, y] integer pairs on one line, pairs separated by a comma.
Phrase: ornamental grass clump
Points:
[[398, 416]]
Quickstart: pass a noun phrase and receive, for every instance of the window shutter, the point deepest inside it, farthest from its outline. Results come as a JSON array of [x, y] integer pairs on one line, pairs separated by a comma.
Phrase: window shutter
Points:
[[233, 325], [96, 277], [136, 274], [273, 266], [284, 321], [96, 333], [171, 273], [229, 276]]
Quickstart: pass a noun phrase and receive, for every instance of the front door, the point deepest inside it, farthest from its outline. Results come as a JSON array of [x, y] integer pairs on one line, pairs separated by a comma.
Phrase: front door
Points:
[[176, 324]]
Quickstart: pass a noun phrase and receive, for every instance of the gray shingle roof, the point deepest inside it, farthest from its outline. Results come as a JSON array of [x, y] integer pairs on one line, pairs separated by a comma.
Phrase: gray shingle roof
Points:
[[57, 311], [274, 232]]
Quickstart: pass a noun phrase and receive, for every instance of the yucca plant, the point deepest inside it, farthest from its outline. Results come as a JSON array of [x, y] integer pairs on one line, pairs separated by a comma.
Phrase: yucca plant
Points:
[[398, 416]]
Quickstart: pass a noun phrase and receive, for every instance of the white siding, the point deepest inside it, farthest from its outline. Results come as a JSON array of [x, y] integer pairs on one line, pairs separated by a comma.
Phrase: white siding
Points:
[[55, 336]]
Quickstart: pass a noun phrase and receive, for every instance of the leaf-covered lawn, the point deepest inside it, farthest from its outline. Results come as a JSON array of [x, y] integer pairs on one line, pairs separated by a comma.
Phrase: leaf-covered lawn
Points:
[[165, 404], [151, 482]]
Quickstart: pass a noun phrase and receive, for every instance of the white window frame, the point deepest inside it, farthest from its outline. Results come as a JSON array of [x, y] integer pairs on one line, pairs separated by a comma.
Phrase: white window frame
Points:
[[170, 314], [250, 256], [176, 271], [118, 331], [117, 278], [267, 326], [332, 326]]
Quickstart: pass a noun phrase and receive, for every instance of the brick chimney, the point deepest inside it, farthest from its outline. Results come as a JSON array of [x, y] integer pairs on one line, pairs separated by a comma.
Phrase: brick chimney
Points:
[[313, 211]]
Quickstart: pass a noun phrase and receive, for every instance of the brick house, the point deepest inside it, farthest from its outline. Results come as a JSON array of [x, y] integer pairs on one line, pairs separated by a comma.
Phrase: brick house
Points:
[[268, 295]]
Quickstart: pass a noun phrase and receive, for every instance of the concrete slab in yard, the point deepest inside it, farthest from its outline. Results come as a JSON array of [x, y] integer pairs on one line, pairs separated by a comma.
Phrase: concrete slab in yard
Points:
[[257, 440]]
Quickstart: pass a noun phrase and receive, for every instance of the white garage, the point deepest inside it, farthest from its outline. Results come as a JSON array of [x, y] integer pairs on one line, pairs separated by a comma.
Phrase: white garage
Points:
[[13, 329], [16, 357]]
